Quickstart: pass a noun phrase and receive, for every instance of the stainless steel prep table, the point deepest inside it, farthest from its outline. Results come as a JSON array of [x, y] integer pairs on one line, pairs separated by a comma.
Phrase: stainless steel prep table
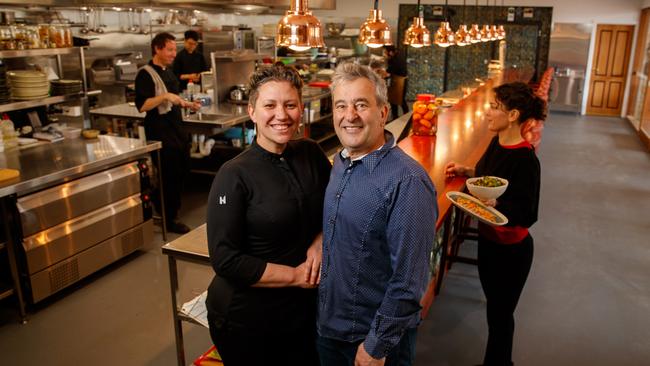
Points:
[[191, 247], [51, 164]]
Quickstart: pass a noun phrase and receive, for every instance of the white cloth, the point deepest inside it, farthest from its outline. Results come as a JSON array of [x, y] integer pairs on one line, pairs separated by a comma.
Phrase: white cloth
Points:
[[160, 88]]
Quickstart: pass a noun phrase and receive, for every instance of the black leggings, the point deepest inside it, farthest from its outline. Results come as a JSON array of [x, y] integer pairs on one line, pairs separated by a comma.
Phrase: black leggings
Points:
[[503, 270]]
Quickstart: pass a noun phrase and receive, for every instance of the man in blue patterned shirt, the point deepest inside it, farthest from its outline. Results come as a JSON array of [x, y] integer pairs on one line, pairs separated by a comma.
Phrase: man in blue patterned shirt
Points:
[[378, 231]]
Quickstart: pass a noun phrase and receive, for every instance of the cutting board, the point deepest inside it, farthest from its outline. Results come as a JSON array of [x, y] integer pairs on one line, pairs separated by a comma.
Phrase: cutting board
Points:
[[6, 174]]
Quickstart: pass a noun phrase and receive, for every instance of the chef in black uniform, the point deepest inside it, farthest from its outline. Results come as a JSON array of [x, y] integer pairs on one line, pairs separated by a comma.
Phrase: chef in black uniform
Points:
[[264, 225], [156, 93], [189, 63]]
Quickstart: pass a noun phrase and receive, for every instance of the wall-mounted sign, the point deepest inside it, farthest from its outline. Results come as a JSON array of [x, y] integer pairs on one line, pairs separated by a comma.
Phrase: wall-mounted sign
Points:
[[437, 10], [528, 12], [511, 14]]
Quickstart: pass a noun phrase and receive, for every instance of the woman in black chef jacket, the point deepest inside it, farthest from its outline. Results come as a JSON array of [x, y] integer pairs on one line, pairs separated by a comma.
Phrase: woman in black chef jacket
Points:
[[264, 233], [505, 253]]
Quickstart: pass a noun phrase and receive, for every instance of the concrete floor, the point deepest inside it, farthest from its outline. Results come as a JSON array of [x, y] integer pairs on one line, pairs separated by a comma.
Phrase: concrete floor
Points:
[[586, 302]]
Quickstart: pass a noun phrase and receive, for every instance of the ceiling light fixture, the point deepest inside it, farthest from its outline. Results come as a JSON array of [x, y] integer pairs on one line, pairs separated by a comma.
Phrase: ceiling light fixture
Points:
[[375, 31], [417, 35], [445, 37], [463, 37], [299, 29], [475, 31]]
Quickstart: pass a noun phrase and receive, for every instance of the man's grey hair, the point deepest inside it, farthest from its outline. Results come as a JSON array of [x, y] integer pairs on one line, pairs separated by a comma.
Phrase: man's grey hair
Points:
[[349, 71]]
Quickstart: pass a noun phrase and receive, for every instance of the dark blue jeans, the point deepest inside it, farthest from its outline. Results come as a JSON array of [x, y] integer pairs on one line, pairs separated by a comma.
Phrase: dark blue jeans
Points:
[[333, 352]]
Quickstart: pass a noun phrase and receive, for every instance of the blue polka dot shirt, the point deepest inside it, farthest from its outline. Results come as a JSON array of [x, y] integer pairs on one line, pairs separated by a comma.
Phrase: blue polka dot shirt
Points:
[[378, 231]]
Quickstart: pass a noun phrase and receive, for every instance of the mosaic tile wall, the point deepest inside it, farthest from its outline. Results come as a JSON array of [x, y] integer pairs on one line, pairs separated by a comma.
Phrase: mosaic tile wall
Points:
[[435, 69]]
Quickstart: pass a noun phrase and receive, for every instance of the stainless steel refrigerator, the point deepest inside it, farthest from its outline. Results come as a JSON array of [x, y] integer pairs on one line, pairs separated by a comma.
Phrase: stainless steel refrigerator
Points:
[[568, 54]]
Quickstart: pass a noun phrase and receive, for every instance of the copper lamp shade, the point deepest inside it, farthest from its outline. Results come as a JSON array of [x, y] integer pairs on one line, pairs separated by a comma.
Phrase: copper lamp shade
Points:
[[494, 33], [299, 29], [375, 31], [417, 35], [463, 38], [501, 32], [445, 37], [475, 34], [485, 33]]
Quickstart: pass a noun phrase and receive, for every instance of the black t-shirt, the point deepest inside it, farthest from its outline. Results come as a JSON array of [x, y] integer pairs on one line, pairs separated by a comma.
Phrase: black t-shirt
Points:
[[264, 208], [520, 166], [167, 127], [188, 63]]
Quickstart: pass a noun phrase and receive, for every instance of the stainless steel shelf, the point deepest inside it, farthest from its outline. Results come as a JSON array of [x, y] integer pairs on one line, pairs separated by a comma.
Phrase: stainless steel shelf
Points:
[[39, 52], [40, 102]]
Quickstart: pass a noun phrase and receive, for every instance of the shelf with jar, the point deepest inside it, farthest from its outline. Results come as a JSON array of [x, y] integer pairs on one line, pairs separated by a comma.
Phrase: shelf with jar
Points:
[[53, 92], [29, 37]]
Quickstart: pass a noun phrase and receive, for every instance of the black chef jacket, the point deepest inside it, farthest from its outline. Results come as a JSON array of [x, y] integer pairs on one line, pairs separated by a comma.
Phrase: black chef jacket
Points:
[[167, 127], [188, 63], [263, 208]]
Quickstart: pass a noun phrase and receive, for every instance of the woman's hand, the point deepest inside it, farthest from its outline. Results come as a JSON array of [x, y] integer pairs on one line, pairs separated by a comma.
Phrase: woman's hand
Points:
[[491, 202], [300, 276], [453, 169], [195, 106], [313, 261]]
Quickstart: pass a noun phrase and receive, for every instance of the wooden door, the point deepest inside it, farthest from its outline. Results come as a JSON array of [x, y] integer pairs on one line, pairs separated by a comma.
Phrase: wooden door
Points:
[[639, 77], [609, 70]]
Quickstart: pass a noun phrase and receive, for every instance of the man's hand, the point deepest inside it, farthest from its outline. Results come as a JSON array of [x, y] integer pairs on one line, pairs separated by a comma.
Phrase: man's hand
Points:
[[314, 259], [174, 99], [364, 359]]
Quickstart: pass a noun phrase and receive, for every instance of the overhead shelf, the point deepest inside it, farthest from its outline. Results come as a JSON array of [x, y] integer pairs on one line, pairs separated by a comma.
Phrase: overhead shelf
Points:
[[42, 101], [39, 52]]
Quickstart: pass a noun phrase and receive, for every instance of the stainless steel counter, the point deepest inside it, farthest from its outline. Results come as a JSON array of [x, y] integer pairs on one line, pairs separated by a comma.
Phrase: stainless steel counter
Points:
[[58, 162], [224, 115]]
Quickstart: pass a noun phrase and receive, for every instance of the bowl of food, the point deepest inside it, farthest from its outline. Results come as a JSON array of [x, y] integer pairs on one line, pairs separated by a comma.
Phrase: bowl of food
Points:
[[90, 134], [486, 187]]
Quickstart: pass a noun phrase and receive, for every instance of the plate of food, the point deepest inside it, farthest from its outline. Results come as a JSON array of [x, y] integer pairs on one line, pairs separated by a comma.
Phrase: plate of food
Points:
[[476, 208]]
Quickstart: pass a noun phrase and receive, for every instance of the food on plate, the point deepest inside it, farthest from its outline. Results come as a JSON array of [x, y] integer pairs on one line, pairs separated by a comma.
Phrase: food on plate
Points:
[[477, 209], [488, 182]]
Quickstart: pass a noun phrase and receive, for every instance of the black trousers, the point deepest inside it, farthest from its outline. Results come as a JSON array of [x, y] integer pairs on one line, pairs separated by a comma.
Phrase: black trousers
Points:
[[175, 168], [250, 347], [503, 270]]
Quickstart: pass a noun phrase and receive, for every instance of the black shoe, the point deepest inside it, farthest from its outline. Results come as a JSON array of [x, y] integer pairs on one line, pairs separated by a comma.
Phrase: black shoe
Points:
[[178, 227]]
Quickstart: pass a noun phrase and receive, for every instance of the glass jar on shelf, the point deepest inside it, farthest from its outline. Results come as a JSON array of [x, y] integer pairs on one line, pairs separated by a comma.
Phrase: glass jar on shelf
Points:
[[32, 38], [7, 38], [57, 36], [44, 35], [67, 36], [425, 115]]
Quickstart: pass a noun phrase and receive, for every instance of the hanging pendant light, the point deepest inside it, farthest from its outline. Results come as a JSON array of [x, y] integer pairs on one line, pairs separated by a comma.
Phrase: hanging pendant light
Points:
[[501, 31], [494, 33], [475, 34], [445, 37], [486, 31], [463, 37], [475, 31], [417, 35], [299, 29], [375, 31]]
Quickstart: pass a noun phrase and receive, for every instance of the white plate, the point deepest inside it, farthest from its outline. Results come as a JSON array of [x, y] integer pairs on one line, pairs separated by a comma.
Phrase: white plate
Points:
[[498, 218]]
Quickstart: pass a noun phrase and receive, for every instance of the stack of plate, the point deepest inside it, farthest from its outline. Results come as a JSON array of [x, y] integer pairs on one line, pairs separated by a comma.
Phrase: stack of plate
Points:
[[63, 87], [28, 84], [4, 90]]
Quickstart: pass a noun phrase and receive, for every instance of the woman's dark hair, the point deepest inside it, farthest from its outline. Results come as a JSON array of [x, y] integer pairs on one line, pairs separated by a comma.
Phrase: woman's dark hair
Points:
[[160, 40], [192, 34], [520, 96], [273, 73]]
